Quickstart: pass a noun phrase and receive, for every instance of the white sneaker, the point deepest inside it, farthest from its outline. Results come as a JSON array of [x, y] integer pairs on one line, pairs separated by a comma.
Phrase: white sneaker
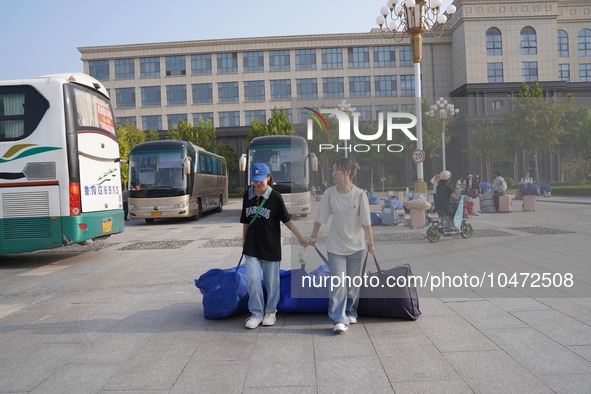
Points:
[[340, 328], [269, 319], [253, 322], [352, 319]]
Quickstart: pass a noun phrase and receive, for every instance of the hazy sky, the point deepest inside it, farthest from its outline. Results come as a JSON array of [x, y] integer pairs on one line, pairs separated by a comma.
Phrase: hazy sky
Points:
[[42, 36]]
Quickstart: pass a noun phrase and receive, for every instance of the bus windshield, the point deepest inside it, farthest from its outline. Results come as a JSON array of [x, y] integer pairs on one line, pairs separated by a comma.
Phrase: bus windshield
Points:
[[163, 170], [287, 163]]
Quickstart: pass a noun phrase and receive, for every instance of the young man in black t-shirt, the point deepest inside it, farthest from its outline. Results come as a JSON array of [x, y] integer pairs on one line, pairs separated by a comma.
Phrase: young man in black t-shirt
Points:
[[263, 210]]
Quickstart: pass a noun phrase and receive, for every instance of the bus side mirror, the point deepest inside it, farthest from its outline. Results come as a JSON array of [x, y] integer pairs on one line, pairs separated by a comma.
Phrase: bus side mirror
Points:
[[242, 162], [314, 162], [187, 165]]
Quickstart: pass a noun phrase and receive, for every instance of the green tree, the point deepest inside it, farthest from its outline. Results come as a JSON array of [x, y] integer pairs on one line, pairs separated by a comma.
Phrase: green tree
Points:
[[487, 144], [575, 143], [129, 136], [202, 135], [278, 124], [534, 123]]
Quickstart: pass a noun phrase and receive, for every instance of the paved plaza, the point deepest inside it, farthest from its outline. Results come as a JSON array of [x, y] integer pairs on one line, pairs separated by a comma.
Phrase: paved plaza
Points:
[[123, 315]]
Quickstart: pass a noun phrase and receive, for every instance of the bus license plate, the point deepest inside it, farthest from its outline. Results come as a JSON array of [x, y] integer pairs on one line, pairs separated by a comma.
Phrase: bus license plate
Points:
[[107, 226], [156, 213]]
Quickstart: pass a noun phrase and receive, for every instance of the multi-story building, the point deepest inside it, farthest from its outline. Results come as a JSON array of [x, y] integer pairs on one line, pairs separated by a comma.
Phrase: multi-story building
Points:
[[485, 52]]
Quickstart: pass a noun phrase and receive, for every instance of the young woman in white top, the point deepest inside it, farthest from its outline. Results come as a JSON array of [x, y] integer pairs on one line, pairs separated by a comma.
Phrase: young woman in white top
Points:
[[526, 178], [348, 238]]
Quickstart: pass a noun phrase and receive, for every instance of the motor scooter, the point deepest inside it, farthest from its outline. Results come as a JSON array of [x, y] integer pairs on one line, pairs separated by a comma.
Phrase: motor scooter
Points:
[[438, 227]]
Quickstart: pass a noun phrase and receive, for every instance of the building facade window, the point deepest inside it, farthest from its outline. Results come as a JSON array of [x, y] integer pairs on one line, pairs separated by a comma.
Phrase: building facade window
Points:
[[279, 60], [529, 41], [332, 58], [250, 116], [585, 42], [229, 118], [333, 87], [280, 89], [407, 107], [227, 62], [125, 97], [227, 92], [494, 72], [497, 105], [494, 42], [174, 119], [202, 93], [564, 72], [384, 109], [202, 116], [176, 94], [176, 65], [152, 122], [305, 59], [121, 120], [529, 71], [254, 91], [384, 56], [99, 69], [365, 113], [407, 85], [124, 68], [201, 64], [585, 72], [358, 57], [150, 67], [253, 61], [385, 85], [405, 55], [307, 87], [562, 43], [359, 86], [150, 96]]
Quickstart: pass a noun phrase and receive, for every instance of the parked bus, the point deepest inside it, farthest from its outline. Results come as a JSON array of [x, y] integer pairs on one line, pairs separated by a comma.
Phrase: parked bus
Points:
[[175, 179], [60, 181], [291, 166]]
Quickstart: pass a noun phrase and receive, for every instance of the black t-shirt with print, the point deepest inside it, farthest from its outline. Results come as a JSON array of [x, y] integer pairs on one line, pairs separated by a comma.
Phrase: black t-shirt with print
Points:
[[263, 238]]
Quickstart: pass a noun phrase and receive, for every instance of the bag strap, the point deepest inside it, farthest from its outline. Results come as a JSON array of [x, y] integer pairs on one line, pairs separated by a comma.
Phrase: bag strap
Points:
[[375, 260], [324, 259], [239, 261], [256, 215]]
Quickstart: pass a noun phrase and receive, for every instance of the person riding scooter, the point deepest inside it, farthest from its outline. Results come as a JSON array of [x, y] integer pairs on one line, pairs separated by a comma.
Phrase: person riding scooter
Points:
[[443, 196]]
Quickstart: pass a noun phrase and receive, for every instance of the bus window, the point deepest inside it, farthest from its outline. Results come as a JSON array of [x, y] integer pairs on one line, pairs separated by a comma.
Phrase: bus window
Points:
[[201, 163], [21, 110]]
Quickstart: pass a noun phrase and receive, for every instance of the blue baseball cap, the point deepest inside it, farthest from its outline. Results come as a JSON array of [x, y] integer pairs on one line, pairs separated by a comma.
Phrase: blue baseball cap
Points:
[[259, 172]]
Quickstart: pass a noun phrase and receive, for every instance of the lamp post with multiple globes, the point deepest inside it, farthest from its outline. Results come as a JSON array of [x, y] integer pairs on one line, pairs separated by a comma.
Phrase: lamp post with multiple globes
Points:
[[413, 18], [445, 112]]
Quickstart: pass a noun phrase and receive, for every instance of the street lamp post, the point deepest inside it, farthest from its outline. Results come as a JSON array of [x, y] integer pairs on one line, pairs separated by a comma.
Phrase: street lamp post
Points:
[[346, 107], [445, 112], [412, 18]]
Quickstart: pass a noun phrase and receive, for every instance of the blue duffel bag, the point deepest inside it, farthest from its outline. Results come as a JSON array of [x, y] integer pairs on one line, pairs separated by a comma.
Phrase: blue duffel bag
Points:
[[302, 291], [225, 291]]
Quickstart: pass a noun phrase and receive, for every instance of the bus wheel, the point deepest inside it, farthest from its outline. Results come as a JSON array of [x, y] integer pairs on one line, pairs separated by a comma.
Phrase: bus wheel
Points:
[[149, 221], [221, 205], [199, 213]]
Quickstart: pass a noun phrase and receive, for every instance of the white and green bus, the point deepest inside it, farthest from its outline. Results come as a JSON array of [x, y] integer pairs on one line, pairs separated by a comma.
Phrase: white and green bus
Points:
[[171, 179], [60, 180]]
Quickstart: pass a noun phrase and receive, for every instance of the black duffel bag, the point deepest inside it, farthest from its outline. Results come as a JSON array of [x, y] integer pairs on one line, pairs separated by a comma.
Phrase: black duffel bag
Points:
[[385, 300]]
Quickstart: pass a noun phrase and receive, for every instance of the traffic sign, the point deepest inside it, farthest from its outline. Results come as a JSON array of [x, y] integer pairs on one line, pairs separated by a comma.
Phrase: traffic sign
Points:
[[418, 156], [383, 179]]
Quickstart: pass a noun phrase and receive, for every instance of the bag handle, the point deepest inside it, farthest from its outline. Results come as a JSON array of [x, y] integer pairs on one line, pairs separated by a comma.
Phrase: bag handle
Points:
[[375, 260], [324, 259]]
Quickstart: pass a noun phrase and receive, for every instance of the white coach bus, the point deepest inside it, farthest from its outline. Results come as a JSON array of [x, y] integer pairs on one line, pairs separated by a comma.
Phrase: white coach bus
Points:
[[60, 180]]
